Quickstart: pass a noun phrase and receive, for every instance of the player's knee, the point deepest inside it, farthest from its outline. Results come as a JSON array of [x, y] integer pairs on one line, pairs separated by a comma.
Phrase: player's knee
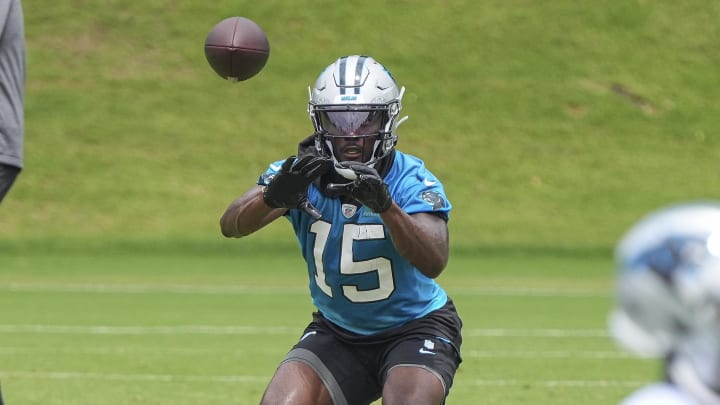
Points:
[[295, 383], [407, 385]]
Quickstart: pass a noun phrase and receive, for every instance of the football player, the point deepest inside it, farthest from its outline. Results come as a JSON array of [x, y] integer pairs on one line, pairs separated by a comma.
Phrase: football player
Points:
[[12, 90], [372, 227], [668, 302]]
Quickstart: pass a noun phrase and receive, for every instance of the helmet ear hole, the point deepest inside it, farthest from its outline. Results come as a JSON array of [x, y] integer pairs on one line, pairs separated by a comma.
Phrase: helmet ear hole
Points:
[[388, 145], [394, 109], [319, 147]]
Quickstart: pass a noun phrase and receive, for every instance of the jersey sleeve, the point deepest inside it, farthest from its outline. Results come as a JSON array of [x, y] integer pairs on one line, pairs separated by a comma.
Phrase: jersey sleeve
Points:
[[420, 191], [271, 171]]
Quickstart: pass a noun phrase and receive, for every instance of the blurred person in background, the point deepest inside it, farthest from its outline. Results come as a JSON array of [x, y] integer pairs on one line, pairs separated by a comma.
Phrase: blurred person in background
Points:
[[12, 92], [668, 302], [372, 227], [12, 89]]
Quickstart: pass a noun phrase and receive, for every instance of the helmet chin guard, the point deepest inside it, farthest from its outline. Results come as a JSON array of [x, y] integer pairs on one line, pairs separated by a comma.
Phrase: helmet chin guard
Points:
[[356, 96]]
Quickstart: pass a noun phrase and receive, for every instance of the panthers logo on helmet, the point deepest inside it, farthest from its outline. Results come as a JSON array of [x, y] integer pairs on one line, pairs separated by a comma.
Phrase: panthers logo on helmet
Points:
[[434, 199]]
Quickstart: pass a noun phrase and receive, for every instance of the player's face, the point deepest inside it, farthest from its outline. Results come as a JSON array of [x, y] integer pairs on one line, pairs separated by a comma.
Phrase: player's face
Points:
[[353, 133], [353, 148]]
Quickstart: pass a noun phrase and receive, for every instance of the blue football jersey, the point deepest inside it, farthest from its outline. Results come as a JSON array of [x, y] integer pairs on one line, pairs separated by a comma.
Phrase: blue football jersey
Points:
[[357, 278]]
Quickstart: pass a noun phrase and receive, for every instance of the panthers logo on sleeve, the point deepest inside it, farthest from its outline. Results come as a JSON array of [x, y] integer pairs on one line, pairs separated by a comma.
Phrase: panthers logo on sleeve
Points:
[[434, 199], [265, 179]]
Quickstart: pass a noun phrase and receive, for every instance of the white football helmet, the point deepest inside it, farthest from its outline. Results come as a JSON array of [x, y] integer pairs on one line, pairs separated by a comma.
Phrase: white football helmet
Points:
[[356, 97], [668, 284]]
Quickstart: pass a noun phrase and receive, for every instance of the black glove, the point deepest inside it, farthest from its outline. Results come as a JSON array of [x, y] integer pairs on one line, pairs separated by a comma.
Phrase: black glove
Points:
[[288, 188], [368, 188]]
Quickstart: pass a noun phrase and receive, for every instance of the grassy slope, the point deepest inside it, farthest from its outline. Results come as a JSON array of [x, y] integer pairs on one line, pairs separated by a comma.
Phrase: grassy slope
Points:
[[552, 124]]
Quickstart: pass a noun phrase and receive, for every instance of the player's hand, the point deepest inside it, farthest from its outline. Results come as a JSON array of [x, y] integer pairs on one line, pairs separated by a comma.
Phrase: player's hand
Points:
[[368, 188], [288, 188]]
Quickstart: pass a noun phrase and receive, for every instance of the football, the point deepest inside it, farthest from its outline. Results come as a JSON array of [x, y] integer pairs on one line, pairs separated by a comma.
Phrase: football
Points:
[[237, 48]]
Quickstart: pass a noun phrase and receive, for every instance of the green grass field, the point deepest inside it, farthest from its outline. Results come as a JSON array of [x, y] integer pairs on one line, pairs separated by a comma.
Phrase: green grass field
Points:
[[553, 125], [186, 328]]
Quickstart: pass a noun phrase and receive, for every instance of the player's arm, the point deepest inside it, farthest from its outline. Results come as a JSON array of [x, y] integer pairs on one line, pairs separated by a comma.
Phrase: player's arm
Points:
[[422, 239], [263, 204], [248, 213]]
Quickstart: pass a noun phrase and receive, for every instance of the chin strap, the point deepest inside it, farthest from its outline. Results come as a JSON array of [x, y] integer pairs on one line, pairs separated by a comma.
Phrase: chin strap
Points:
[[308, 147]]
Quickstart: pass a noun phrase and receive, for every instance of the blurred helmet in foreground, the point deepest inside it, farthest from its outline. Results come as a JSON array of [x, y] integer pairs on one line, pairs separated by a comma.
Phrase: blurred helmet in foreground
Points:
[[668, 282]]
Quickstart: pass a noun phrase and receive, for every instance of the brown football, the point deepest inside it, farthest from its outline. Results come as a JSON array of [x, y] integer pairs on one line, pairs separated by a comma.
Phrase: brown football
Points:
[[237, 48]]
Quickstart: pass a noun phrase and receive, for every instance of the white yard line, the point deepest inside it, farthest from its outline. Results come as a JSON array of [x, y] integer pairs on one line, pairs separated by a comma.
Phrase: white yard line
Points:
[[540, 354], [131, 350], [149, 288], [268, 330], [184, 351], [547, 333], [571, 292], [149, 330], [74, 375], [556, 383], [254, 379], [100, 288]]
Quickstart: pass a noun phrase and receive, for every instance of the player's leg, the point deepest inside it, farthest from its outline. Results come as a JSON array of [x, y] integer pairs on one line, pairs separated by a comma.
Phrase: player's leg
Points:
[[296, 383], [412, 384], [421, 363], [420, 371], [324, 369], [7, 178]]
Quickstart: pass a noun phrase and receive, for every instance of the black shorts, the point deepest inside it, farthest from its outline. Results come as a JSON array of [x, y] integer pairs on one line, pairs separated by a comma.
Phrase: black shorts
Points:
[[7, 178], [354, 367]]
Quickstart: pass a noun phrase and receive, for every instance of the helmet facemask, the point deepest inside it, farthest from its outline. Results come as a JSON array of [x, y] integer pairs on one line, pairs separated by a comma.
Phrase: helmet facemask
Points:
[[362, 133]]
